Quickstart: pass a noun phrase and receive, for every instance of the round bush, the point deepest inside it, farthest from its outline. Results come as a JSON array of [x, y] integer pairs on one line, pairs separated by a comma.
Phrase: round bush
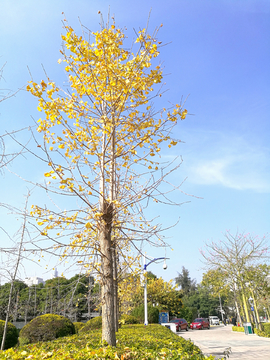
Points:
[[78, 326], [11, 336], [92, 324], [128, 319], [46, 327]]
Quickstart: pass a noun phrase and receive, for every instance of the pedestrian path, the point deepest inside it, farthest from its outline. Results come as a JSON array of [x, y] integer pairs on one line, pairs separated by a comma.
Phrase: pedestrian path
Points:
[[220, 338]]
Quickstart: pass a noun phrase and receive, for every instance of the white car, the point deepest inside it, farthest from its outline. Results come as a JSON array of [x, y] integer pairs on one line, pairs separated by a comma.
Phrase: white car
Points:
[[214, 320]]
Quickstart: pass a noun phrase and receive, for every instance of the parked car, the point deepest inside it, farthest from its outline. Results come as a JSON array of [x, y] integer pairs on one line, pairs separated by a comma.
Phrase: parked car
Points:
[[181, 324], [214, 320], [200, 323]]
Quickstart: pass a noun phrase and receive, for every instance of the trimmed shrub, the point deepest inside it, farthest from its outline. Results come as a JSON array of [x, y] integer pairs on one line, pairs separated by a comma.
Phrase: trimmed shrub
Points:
[[45, 328], [266, 328], [12, 334], [261, 333], [128, 319], [134, 342], [238, 328], [153, 314], [78, 326], [92, 324]]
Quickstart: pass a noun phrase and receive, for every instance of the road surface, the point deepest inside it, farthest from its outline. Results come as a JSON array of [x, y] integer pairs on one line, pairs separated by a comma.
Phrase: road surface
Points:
[[219, 338]]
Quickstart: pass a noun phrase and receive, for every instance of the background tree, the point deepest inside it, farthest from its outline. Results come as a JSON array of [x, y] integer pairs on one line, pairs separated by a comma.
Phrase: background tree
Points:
[[18, 286], [258, 288], [164, 295], [17, 253], [160, 294], [184, 280], [232, 256], [215, 281], [98, 135], [75, 298]]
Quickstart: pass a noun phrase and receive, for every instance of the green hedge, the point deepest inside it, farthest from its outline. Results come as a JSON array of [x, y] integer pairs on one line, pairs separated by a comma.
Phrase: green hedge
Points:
[[264, 333], [266, 328], [128, 319], [134, 342], [92, 324], [78, 326], [11, 336], [238, 328], [261, 333], [46, 327]]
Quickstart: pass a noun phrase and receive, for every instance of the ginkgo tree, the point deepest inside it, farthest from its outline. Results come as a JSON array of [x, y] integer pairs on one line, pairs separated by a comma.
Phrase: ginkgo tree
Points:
[[102, 135]]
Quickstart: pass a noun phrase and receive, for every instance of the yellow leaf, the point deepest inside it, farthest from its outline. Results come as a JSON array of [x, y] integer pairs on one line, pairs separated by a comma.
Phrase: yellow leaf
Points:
[[183, 115]]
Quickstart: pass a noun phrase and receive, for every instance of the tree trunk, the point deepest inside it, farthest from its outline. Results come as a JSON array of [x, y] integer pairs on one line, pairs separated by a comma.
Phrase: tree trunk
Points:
[[236, 306], [46, 301], [105, 241], [15, 315], [14, 277], [51, 301], [27, 305], [107, 296], [245, 306], [7, 316], [115, 287], [238, 312]]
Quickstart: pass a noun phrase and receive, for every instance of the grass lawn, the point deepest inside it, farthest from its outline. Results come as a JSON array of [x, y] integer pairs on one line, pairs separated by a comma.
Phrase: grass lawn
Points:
[[133, 342]]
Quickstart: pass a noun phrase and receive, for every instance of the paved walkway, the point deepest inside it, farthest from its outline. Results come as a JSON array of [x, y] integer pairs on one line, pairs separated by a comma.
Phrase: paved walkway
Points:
[[219, 338]]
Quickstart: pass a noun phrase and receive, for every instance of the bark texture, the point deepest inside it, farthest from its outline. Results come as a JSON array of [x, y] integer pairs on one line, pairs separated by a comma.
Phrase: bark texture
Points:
[[108, 318]]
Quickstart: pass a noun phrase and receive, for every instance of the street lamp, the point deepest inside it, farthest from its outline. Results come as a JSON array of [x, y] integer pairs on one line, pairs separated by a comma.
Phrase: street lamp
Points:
[[145, 284]]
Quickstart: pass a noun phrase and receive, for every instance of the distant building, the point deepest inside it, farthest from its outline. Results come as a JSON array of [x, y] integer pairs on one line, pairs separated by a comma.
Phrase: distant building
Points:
[[54, 274], [34, 280]]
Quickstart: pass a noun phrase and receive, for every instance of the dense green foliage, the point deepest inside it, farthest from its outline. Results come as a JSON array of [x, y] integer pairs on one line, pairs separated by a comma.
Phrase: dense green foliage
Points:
[[264, 333], [78, 326], [187, 284], [92, 324], [153, 314], [161, 294], [68, 297], [129, 319], [18, 289], [11, 336], [238, 328], [266, 328], [133, 342], [261, 333], [46, 327]]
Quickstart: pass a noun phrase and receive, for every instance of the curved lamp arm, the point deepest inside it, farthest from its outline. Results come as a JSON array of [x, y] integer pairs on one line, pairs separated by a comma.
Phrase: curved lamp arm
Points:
[[161, 258]]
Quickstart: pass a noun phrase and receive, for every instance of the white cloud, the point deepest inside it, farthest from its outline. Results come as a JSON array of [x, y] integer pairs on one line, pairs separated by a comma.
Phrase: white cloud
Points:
[[230, 161]]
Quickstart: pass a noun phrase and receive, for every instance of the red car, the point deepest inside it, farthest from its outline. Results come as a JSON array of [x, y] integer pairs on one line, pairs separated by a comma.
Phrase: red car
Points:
[[181, 324], [200, 323]]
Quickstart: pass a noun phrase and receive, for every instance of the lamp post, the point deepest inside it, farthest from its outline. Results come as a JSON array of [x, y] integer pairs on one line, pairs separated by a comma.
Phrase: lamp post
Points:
[[253, 304], [145, 284]]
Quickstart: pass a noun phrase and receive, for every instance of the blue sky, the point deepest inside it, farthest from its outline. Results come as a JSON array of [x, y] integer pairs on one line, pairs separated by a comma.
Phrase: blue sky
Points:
[[218, 57]]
